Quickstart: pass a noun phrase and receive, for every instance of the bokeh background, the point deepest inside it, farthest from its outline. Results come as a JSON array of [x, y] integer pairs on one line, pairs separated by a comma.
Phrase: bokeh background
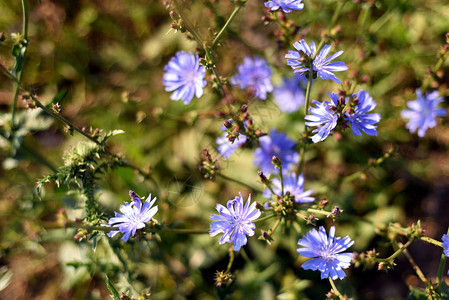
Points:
[[108, 58]]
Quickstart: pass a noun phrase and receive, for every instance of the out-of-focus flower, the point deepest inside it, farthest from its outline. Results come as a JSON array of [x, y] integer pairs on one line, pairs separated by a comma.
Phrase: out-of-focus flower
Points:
[[286, 5], [321, 65], [134, 216], [445, 245], [292, 184], [327, 252], [359, 118], [184, 76], [323, 116], [227, 148], [235, 221], [254, 74], [290, 95], [279, 145], [422, 112]]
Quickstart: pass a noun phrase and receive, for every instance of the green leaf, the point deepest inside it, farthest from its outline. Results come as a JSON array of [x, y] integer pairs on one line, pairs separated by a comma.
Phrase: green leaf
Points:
[[114, 294], [58, 98], [417, 293]]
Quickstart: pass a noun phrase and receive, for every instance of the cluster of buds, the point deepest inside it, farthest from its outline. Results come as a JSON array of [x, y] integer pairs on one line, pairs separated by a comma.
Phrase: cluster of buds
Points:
[[415, 230], [287, 31], [435, 77], [208, 166], [223, 279], [386, 265], [285, 205], [56, 108], [177, 22], [367, 259], [242, 123], [93, 132], [29, 101]]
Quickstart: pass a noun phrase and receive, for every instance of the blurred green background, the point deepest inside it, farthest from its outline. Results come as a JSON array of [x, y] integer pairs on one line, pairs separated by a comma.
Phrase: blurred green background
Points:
[[108, 56]]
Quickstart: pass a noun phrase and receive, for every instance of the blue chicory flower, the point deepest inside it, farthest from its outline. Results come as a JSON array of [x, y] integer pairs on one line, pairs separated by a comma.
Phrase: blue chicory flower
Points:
[[360, 119], [422, 112], [184, 76], [235, 221], [324, 117], [326, 251], [254, 74], [286, 5], [133, 217], [321, 65], [290, 95], [275, 144], [292, 184]]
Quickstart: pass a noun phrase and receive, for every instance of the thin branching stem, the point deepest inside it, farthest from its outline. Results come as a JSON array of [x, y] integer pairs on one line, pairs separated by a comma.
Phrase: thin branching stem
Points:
[[70, 124], [225, 26], [19, 73], [237, 181], [397, 252]]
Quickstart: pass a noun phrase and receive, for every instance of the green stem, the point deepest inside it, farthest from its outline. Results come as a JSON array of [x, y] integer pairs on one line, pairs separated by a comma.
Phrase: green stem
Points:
[[225, 26], [317, 211], [405, 232], [210, 56], [275, 226], [107, 229], [231, 261], [236, 181], [415, 267], [19, 74], [441, 266], [264, 218], [334, 288], [306, 109], [398, 252], [281, 177]]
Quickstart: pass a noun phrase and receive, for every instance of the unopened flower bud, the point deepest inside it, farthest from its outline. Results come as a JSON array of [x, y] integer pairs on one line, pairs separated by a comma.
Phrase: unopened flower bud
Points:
[[227, 124], [262, 177]]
